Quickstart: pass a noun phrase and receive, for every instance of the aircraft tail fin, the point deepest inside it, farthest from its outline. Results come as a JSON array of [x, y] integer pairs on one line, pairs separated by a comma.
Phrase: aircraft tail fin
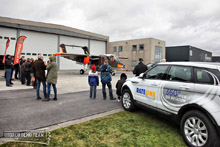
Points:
[[63, 48], [86, 50]]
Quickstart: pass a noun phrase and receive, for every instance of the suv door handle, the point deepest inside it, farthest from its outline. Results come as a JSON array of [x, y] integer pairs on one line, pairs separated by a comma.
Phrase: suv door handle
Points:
[[134, 82], [154, 84], [184, 87]]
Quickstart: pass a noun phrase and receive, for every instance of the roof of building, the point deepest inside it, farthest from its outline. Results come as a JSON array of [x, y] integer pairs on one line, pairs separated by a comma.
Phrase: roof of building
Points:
[[189, 46], [136, 40], [49, 28]]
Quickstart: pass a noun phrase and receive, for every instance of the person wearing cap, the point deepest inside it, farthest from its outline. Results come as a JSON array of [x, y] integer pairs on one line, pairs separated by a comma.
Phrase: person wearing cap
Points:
[[140, 68], [93, 80]]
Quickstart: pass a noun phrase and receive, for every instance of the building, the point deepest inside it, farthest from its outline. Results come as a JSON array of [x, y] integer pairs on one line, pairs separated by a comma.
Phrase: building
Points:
[[45, 38], [187, 53], [216, 59], [150, 49]]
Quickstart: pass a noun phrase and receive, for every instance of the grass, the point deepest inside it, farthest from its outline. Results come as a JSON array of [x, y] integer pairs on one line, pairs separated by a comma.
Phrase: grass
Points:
[[120, 129]]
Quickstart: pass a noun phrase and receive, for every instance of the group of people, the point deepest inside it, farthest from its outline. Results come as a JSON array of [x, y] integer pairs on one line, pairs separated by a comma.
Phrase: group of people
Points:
[[23, 71], [31, 72], [50, 77], [105, 69], [93, 80]]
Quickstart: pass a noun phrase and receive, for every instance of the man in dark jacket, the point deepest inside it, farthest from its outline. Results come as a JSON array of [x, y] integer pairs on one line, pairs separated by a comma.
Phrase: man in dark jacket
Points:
[[8, 69], [22, 72], [140, 68], [40, 68], [28, 71], [106, 79]]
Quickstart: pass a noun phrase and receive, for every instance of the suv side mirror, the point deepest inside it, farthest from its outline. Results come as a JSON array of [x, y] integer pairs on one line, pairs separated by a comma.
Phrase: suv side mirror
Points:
[[141, 75]]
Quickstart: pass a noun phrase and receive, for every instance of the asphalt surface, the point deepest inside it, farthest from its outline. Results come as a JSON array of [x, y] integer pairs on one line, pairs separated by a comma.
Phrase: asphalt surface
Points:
[[19, 109]]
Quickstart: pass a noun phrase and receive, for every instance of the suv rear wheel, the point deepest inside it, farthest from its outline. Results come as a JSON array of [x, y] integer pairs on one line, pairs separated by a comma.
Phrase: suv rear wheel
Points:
[[128, 101], [198, 130]]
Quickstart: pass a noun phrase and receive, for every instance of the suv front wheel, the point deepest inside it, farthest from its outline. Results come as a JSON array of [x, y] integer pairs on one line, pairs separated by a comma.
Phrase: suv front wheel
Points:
[[128, 101], [198, 130]]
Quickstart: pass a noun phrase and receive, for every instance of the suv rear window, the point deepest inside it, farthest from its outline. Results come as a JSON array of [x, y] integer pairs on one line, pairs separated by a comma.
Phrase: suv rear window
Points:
[[180, 73], [204, 76]]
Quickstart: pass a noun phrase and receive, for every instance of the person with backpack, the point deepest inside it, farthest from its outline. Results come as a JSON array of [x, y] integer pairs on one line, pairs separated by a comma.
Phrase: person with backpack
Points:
[[106, 79]]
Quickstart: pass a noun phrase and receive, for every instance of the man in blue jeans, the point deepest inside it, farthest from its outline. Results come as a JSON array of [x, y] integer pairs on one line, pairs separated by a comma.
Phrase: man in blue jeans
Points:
[[40, 68], [106, 79], [8, 69]]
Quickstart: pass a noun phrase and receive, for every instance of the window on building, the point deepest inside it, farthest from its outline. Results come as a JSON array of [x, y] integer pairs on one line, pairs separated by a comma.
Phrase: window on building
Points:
[[115, 49], [134, 47], [44, 54], [22, 53], [12, 38], [6, 37], [28, 53], [141, 47], [0, 37], [120, 48], [190, 52], [34, 54], [49, 54], [158, 54], [134, 63]]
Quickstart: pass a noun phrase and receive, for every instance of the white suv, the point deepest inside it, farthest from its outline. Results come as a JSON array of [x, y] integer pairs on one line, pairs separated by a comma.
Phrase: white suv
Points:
[[188, 92]]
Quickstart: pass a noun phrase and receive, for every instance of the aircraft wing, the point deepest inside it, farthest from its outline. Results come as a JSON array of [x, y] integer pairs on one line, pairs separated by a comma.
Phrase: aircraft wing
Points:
[[82, 58]]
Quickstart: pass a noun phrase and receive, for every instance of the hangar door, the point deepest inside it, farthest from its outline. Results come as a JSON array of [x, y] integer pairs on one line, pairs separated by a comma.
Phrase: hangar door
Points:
[[39, 43], [66, 64], [97, 47]]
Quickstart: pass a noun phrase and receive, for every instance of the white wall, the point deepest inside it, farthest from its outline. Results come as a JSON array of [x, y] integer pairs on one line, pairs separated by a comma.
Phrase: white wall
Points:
[[7, 32]]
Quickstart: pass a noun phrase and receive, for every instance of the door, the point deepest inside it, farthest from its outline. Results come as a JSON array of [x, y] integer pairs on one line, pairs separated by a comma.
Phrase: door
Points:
[[146, 88], [177, 90], [206, 86]]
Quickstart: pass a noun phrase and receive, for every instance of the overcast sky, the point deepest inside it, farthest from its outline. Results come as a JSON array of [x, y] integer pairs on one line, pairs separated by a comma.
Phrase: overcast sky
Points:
[[178, 22]]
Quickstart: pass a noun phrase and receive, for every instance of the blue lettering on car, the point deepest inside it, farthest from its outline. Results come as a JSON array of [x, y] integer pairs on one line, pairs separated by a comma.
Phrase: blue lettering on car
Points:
[[173, 92]]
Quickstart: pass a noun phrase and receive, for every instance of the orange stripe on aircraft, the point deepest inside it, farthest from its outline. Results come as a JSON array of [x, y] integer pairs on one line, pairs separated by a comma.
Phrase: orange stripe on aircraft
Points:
[[57, 54], [120, 66]]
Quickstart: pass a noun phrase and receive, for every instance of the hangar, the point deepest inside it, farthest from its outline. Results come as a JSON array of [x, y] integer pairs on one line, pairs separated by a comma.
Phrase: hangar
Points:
[[45, 38]]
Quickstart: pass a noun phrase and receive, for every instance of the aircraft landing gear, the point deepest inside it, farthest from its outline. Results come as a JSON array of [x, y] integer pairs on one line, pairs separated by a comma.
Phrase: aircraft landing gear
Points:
[[82, 71], [113, 73]]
